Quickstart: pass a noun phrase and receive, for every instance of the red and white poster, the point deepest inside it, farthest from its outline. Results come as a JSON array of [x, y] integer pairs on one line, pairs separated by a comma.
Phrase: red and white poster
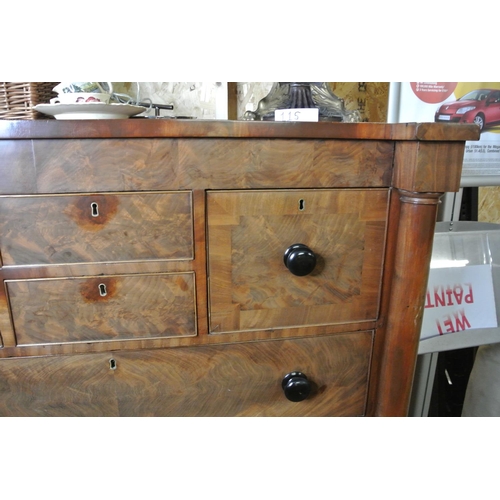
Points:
[[455, 102], [458, 299]]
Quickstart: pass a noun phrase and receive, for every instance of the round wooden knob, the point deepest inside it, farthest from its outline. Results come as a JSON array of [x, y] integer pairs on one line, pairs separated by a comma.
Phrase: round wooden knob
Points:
[[296, 386], [299, 259]]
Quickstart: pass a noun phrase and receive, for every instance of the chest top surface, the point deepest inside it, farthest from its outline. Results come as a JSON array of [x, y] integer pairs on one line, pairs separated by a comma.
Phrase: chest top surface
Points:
[[87, 129]]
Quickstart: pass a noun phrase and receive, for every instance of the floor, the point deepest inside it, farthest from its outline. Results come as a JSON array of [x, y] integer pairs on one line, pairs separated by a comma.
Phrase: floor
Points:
[[450, 383]]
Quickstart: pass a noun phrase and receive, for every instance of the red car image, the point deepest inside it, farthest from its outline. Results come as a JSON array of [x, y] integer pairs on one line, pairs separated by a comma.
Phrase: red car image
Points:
[[481, 106]]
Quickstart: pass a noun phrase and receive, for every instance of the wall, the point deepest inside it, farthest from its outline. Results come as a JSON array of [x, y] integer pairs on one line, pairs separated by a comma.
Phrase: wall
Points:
[[202, 100], [210, 100], [489, 204]]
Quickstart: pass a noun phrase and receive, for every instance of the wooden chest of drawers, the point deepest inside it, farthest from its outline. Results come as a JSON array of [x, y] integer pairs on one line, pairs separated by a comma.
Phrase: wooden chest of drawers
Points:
[[175, 268]]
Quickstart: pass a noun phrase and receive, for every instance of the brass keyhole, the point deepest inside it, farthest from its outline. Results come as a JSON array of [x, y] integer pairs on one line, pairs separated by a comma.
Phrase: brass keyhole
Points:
[[302, 205], [112, 364], [102, 290]]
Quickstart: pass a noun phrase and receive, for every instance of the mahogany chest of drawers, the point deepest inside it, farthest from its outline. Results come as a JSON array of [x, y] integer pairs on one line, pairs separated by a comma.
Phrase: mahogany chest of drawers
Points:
[[216, 268]]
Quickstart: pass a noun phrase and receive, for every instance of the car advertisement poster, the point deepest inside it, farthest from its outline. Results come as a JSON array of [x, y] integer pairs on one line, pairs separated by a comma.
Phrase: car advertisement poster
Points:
[[455, 102]]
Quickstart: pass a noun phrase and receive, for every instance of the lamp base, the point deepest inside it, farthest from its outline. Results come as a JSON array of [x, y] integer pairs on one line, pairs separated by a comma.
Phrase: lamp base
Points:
[[291, 95]]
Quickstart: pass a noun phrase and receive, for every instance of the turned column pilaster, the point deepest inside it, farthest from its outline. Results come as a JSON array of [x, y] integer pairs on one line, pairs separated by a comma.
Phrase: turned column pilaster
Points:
[[411, 228]]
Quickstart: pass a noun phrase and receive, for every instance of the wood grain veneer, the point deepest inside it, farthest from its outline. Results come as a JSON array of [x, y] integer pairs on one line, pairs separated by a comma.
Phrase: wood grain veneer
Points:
[[173, 298], [248, 233], [86, 228], [240, 379], [102, 308]]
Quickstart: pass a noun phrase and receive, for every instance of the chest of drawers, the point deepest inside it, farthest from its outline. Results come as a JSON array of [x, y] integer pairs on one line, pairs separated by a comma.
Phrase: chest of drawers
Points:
[[179, 268]]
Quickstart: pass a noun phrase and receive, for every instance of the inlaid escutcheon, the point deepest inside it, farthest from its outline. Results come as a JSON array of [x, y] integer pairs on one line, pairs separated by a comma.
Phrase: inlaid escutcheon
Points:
[[248, 233], [102, 308], [109, 227]]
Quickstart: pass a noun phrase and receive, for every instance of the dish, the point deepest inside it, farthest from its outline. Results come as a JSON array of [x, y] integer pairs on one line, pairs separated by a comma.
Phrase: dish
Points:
[[89, 111]]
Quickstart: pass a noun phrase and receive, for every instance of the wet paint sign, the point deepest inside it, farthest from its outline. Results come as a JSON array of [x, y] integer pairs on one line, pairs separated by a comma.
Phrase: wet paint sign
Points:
[[457, 299]]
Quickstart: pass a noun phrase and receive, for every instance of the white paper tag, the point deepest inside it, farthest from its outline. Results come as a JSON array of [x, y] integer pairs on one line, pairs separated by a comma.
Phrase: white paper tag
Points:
[[457, 299], [297, 115]]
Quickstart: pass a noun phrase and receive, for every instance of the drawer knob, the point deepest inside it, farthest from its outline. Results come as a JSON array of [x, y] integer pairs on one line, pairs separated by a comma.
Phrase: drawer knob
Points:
[[299, 259], [296, 386]]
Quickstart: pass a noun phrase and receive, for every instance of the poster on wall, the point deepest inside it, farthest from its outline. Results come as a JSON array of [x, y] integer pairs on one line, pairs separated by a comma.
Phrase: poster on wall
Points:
[[455, 102]]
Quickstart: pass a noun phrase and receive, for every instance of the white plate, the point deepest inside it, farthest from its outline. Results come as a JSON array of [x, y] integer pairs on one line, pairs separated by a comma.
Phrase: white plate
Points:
[[89, 111]]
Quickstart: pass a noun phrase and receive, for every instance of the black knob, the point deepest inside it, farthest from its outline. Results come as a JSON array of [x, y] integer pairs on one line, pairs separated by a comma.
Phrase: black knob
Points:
[[296, 386], [299, 259]]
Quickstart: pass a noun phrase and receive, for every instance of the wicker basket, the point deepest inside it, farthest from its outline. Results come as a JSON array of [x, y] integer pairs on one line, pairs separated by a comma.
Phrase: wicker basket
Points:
[[17, 99]]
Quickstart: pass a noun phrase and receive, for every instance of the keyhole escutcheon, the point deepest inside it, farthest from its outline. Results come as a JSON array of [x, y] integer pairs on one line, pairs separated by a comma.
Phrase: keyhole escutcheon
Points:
[[102, 290], [94, 209]]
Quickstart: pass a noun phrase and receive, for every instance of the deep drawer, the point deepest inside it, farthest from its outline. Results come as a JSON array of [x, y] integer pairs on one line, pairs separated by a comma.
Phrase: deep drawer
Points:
[[65, 229], [224, 380], [103, 308], [248, 234]]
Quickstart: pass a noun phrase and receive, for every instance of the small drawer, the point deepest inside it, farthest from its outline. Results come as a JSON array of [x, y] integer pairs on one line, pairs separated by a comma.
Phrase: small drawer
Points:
[[249, 233], [103, 308], [66, 229]]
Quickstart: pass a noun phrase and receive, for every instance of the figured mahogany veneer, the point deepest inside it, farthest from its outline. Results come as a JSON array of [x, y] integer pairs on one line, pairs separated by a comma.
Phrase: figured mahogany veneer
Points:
[[67, 229], [248, 233], [142, 264], [102, 308], [231, 380]]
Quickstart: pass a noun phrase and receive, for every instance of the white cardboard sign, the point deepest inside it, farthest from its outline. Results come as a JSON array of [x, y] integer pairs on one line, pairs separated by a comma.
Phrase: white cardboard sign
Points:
[[297, 115], [457, 299]]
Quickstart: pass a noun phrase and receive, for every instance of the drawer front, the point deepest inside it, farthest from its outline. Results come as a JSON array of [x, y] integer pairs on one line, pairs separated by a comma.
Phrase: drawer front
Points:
[[225, 380], [104, 308], [95, 228], [141, 164], [248, 234]]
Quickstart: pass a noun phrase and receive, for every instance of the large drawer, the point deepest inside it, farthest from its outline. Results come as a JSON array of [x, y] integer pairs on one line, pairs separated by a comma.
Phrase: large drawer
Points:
[[65, 229], [248, 234], [103, 308], [223, 380]]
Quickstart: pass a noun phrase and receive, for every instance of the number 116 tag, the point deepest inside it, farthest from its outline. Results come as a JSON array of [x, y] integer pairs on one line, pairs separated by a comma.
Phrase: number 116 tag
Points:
[[297, 115]]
